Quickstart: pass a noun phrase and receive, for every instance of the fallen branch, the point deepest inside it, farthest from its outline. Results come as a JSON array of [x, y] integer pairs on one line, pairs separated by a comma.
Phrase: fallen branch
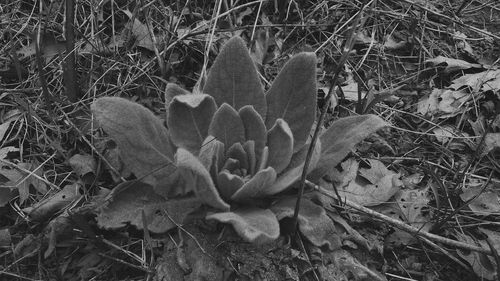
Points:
[[399, 224]]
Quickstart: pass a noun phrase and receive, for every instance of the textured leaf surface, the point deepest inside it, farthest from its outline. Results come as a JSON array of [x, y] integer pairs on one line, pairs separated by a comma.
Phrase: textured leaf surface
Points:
[[292, 97], [256, 186], [293, 172], [313, 222], [253, 225], [255, 129], [198, 179], [171, 91], [226, 126], [188, 120], [234, 80], [228, 184], [280, 143], [338, 140], [211, 151], [236, 151], [144, 144], [132, 198], [249, 147]]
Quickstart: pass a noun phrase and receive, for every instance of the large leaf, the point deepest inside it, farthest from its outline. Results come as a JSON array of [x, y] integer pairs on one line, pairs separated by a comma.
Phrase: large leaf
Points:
[[292, 97], [255, 129], [338, 140], [313, 222], [171, 91], [144, 143], [198, 179], [188, 120], [255, 187], [293, 172], [280, 143], [226, 126], [130, 199], [228, 184], [253, 225], [234, 80]]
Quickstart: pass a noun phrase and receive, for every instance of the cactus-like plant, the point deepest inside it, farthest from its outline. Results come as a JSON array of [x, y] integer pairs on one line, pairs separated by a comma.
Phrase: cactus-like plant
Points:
[[235, 146]]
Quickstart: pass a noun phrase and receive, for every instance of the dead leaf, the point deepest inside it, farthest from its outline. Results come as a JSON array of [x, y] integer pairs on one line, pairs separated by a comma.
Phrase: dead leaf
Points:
[[486, 202], [445, 103], [54, 203], [486, 80], [140, 32], [452, 64]]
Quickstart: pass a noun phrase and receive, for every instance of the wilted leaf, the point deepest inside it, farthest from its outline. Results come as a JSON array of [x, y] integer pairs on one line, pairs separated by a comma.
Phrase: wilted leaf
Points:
[[442, 101], [491, 142], [144, 144], [82, 164], [372, 186], [486, 202], [293, 172], [253, 225], [198, 179], [342, 136], [20, 180], [140, 32], [234, 80], [255, 129], [256, 186], [292, 97], [54, 203], [280, 143], [228, 184], [482, 265], [5, 150], [452, 64], [188, 120], [171, 91], [130, 199], [313, 221], [226, 126], [487, 80]]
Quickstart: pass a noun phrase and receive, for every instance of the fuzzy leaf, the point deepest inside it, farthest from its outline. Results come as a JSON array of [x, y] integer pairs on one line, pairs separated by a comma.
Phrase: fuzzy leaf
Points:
[[228, 184], [144, 144], [255, 187], [171, 91], [253, 225], [234, 80], [313, 222], [198, 179], [188, 120], [129, 199], [292, 97], [226, 126], [280, 143], [211, 149], [338, 140], [249, 147], [255, 129], [236, 151], [293, 172]]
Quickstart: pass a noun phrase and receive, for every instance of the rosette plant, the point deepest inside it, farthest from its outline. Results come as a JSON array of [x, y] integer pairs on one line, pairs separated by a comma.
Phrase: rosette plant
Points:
[[235, 146]]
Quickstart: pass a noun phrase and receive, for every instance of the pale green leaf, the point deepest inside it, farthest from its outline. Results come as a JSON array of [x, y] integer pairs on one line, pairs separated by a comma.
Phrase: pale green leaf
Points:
[[292, 97], [256, 186], [313, 221], [253, 225], [249, 147], [130, 199], [188, 120], [211, 153], [338, 140], [198, 179], [145, 147], [255, 129], [228, 184], [226, 126], [171, 91], [234, 80], [280, 143], [236, 151], [294, 171]]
